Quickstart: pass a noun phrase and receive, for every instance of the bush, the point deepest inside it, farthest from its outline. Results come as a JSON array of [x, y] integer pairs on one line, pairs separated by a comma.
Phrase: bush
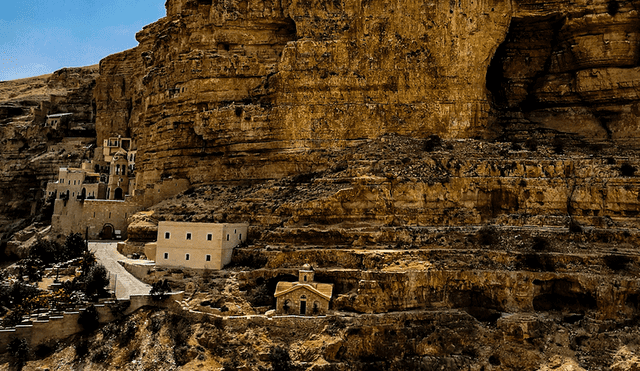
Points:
[[82, 348], [627, 170], [31, 268], [18, 349], [96, 282], [531, 144], [487, 236], [75, 245], [558, 145], [432, 143], [280, 359], [89, 319], [160, 290]]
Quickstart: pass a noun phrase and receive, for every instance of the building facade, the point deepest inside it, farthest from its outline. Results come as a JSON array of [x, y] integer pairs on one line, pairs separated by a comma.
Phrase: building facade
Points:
[[198, 245], [305, 297]]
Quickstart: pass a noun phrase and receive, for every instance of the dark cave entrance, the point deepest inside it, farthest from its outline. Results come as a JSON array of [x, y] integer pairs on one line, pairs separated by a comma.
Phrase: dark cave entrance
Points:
[[520, 61]]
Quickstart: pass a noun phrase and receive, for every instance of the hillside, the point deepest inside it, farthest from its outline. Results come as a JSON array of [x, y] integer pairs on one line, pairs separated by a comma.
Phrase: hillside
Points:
[[466, 174], [32, 153]]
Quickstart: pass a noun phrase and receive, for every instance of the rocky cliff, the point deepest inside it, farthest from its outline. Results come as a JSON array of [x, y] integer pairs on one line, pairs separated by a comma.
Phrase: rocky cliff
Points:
[[235, 90], [32, 151]]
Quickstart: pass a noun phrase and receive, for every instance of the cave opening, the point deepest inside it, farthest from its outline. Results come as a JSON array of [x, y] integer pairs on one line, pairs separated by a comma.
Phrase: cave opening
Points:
[[563, 295], [520, 61]]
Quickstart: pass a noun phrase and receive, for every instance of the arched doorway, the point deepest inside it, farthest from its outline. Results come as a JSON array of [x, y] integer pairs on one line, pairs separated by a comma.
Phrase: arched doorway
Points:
[[303, 305], [83, 194], [107, 232], [117, 195]]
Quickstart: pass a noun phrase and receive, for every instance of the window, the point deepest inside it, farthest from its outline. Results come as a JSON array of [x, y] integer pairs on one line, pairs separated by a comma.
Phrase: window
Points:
[[240, 237], [167, 235], [227, 237], [207, 258], [234, 231], [166, 256], [186, 256], [305, 278], [209, 237], [188, 237]]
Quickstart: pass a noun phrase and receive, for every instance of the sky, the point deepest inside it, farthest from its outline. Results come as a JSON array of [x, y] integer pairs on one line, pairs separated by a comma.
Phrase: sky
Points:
[[38, 37]]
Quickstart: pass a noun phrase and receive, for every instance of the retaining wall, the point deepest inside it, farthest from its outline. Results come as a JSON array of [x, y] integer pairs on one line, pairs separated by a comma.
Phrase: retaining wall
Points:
[[58, 327]]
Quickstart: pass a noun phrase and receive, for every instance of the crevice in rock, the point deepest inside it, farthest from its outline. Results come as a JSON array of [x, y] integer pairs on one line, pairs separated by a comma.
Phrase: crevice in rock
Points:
[[521, 60], [562, 295]]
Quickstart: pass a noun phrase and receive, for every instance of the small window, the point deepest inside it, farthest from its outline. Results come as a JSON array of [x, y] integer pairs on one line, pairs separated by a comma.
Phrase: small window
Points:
[[240, 237], [234, 231], [207, 258], [227, 237], [188, 237], [305, 278], [209, 237], [167, 235], [186, 257], [166, 256]]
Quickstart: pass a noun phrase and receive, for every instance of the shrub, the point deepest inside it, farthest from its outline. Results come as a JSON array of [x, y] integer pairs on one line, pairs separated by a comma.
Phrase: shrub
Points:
[[89, 319], [627, 170], [19, 350], [280, 359], [96, 282], [432, 143], [31, 268], [75, 245], [160, 290], [540, 243], [82, 348], [128, 333], [531, 144], [558, 145], [487, 236]]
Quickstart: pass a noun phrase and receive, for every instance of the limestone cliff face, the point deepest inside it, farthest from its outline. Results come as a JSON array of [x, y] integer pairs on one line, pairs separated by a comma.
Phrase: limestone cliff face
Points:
[[32, 151], [235, 90]]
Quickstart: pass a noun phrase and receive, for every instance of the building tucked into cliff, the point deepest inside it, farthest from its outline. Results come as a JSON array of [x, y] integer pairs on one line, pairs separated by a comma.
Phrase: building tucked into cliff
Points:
[[93, 199], [197, 245], [304, 297]]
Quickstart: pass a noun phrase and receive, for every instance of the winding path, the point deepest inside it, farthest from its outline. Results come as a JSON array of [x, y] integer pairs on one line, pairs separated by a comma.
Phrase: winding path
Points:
[[126, 285]]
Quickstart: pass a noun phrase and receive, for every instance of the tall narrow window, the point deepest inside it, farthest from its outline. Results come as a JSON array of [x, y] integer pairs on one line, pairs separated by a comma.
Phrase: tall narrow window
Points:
[[240, 237], [208, 258], [167, 235], [186, 257], [227, 237], [188, 237], [209, 237], [166, 256]]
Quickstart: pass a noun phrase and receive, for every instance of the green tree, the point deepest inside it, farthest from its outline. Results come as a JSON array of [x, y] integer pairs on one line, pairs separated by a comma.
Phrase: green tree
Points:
[[160, 290], [75, 245], [96, 282], [89, 319]]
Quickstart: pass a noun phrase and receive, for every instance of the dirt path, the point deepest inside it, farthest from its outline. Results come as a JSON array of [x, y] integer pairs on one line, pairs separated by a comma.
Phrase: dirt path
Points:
[[126, 284]]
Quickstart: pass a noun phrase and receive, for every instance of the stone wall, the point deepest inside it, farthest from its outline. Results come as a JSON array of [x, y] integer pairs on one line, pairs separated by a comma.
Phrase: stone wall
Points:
[[53, 328], [75, 216]]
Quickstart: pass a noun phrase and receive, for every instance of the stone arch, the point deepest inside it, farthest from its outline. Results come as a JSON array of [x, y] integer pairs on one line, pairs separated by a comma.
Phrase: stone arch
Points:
[[107, 232], [303, 304], [118, 194]]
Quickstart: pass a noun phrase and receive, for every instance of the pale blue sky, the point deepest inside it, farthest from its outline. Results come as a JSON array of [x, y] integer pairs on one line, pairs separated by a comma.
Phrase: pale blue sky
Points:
[[41, 36]]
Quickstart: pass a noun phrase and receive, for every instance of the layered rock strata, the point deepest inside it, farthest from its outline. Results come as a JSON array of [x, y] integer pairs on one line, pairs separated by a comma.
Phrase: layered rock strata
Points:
[[230, 90], [33, 151]]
